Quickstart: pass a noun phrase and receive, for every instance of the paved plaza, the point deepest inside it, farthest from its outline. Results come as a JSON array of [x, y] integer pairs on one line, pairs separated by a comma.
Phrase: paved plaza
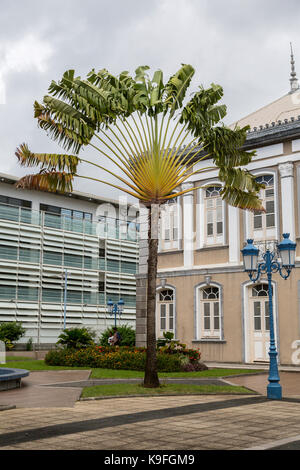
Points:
[[49, 416]]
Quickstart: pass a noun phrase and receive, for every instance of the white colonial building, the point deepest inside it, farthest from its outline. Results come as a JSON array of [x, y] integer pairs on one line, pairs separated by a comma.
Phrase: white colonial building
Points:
[[203, 294]]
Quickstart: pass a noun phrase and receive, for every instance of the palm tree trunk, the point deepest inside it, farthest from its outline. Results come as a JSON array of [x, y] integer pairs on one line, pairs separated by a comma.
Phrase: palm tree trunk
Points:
[[151, 376]]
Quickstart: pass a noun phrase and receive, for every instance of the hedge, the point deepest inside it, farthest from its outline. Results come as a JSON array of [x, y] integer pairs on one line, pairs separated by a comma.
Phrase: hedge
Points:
[[126, 358]]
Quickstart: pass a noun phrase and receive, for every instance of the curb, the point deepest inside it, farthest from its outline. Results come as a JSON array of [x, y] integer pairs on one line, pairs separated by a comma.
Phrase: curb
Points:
[[245, 375], [109, 397]]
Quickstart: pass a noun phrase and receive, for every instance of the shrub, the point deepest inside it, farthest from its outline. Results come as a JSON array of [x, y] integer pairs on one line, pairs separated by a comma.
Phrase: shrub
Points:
[[29, 345], [169, 346], [168, 337], [76, 338], [10, 333], [110, 357], [194, 367], [127, 334]]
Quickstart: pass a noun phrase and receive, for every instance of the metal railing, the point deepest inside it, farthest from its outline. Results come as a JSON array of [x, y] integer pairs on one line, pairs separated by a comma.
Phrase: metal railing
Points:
[[105, 227]]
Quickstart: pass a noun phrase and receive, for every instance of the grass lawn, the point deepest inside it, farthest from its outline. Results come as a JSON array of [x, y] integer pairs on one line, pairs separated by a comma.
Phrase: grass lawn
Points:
[[18, 358], [39, 364], [137, 389], [164, 389], [113, 374], [35, 364]]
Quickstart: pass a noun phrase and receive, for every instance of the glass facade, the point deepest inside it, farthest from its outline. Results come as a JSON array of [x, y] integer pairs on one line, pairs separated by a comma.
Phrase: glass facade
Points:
[[47, 257]]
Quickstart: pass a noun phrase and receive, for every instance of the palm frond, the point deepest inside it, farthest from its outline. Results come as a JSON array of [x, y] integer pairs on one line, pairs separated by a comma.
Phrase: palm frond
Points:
[[146, 151], [50, 181], [201, 113], [242, 199], [46, 160], [176, 88]]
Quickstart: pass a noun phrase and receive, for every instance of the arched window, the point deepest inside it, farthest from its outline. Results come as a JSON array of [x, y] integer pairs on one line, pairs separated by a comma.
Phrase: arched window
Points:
[[263, 224], [165, 311], [264, 220], [170, 225], [210, 312], [213, 215]]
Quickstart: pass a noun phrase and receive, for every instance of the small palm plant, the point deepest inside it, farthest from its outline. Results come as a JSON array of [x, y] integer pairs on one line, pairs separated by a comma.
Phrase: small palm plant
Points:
[[140, 125], [76, 338]]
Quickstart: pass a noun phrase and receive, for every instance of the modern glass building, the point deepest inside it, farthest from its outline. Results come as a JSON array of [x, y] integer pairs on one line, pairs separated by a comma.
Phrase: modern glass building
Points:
[[62, 257]]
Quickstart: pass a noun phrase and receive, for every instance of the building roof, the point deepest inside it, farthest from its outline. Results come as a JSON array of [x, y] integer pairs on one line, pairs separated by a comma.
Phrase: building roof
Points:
[[283, 110], [9, 179]]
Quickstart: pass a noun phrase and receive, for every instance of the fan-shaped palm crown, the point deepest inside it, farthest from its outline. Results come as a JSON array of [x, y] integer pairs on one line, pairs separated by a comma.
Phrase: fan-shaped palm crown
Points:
[[143, 127]]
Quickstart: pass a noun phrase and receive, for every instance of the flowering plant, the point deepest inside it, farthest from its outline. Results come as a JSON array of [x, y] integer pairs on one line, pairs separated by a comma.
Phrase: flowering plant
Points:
[[113, 357]]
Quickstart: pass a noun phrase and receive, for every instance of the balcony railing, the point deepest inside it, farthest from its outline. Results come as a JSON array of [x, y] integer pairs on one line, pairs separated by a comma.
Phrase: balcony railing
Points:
[[56, 296], [104, 228], [52, 258]]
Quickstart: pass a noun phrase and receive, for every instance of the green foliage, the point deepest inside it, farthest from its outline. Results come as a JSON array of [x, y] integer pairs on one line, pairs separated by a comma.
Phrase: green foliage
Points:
[[127, 334], [10, 333], [125, 357], [149, 155], [153, 136], [167, 338], [190, 358], [29, 346], [76, 338], [110, 357]]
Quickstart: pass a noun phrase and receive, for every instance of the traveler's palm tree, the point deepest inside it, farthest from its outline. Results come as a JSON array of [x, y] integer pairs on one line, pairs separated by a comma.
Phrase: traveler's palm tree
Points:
[[153, 137]]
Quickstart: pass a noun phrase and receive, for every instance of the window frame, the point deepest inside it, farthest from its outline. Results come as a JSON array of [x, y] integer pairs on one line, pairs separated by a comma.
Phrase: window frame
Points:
[[265, 233], [200, 334], [173, 243], [201, 235], [159, 302]]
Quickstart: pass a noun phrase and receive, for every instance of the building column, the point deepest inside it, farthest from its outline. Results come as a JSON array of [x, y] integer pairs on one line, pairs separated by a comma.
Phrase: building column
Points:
[[188, 225], [234, 234], [286, 171]]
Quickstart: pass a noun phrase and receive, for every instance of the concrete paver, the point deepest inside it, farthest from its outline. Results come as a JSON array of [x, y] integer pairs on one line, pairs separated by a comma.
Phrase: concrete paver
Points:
[[51, 417], [290, 383], [207, 422], [33, 393]]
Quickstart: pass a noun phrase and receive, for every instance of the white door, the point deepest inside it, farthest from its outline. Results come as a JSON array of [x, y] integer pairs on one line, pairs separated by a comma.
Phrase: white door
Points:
[[259, 323]]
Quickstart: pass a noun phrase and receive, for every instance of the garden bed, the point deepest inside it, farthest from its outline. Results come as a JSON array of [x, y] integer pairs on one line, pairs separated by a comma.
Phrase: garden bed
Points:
[[125, 358]]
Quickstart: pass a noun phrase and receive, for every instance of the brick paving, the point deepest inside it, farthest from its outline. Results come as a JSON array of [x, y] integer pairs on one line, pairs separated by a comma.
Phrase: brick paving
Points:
[[52, 418], [34, 394], [153, 423], [290, 382]]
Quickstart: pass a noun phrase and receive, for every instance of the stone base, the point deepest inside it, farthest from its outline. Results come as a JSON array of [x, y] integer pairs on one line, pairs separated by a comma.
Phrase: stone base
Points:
[[10, 384]]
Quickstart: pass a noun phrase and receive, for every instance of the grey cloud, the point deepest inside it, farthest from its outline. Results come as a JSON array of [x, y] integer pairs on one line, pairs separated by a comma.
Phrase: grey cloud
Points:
[[243, 45]]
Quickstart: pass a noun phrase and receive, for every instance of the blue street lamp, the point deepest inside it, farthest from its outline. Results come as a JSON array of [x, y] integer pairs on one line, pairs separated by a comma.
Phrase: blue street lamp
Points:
[[286, 249], [115, 309]]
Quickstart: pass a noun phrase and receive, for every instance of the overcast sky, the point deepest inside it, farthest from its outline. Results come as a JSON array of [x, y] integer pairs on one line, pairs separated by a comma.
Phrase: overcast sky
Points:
[[241, 44]]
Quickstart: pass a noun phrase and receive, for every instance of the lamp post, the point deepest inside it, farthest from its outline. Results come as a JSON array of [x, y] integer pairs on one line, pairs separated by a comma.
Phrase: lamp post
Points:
[[65, 298], [115, 309], [270, 264], [65, 277]]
